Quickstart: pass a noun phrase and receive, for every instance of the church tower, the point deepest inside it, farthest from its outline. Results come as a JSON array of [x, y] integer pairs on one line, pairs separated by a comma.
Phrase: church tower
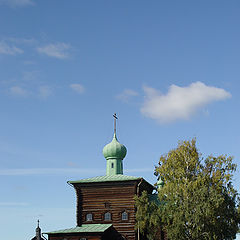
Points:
[[105, 205], [114, 152]]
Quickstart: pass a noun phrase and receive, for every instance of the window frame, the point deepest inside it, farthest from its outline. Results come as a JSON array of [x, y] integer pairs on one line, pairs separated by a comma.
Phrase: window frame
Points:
[[107, 214], [89, 219], [124, 213]]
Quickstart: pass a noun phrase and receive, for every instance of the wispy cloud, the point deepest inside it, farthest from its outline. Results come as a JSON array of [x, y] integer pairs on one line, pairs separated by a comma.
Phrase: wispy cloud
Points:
[[62, 171], [180, 102], [45, 91], [30, 76], [10, 45], [9, 49], [16, 46], [77, 88], [25, 41], [18, 91], [47, 171], [12, 204], [126, 95], [17, 3], [29, 62], [41, 92], [57, 50]]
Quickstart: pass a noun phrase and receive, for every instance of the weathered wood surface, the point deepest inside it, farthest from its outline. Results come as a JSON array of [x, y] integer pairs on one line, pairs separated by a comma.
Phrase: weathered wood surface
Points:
[[99, 198], [114, 197]]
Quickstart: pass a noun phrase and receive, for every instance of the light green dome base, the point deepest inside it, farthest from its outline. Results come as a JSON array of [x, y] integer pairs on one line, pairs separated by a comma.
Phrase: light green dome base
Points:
[[114, 152], [114, 167]]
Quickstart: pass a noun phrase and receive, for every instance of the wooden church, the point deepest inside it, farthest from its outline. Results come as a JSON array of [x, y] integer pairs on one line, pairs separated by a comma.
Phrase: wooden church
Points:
[[105, 204]]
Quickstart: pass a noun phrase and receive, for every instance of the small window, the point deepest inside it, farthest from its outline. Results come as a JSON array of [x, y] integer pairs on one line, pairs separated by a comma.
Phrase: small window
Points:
[[112, 165], [107, 216], [89, 217], [124, 216]]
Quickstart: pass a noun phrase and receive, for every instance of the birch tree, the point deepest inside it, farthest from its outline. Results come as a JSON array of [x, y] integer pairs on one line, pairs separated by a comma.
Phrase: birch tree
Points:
[[198, 199]]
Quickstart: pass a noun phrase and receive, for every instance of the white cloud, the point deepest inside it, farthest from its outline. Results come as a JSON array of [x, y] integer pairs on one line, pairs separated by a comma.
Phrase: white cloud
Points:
[[180, 102], [9, 50], [77, 87], [18, 91], [57, 50], [17, 3], [126, 94], [44, 91]]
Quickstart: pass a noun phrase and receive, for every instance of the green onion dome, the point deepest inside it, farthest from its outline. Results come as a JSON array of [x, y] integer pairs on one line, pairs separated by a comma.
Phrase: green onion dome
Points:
[[114, 150]]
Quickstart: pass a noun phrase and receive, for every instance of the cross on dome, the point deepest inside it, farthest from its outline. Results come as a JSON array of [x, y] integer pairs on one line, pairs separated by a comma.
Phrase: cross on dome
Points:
[[115, 122]]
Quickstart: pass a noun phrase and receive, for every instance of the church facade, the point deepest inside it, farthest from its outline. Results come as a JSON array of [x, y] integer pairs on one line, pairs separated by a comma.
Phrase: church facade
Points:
[[105, 204]]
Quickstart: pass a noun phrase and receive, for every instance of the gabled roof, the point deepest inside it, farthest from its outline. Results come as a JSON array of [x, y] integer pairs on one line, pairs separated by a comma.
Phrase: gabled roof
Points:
[[85, 228], [106, 178]]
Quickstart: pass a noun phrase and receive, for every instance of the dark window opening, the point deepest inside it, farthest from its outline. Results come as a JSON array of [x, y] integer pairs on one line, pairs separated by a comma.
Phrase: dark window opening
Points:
[[112, 165]]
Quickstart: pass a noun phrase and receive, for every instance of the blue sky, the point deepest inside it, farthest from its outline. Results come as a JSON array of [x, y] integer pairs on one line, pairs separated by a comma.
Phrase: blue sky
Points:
[[169, 69]]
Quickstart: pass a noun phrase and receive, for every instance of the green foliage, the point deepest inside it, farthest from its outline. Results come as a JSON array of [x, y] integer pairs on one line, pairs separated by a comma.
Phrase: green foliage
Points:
[[148, 219], [201, 202]]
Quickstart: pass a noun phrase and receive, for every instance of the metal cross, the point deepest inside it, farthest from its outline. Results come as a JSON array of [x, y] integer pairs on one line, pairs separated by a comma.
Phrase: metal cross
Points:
[[115, 118]]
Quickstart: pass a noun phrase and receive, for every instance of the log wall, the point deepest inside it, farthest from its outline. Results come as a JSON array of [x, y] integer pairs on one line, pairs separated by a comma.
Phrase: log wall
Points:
[[112, 197]]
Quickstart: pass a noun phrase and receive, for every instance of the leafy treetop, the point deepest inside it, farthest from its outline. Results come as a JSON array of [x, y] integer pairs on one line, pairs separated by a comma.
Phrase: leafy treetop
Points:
[[198, 199]]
